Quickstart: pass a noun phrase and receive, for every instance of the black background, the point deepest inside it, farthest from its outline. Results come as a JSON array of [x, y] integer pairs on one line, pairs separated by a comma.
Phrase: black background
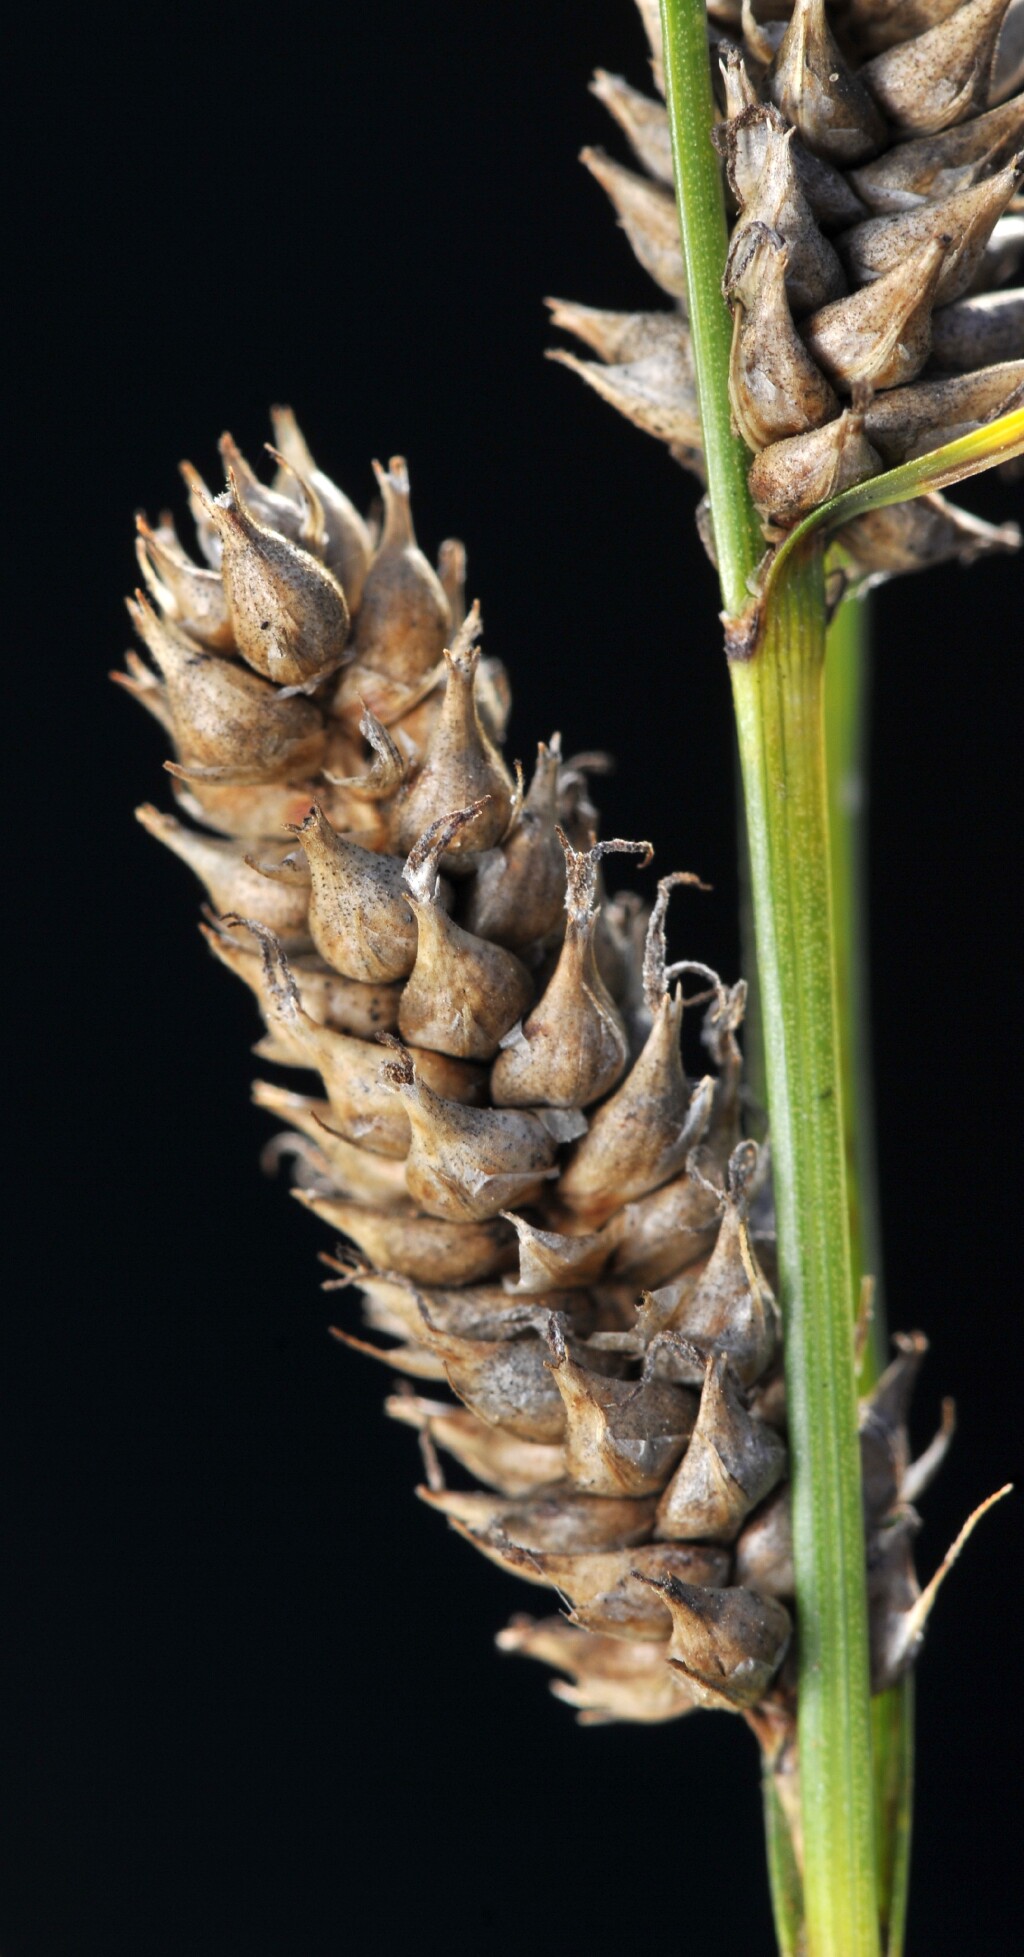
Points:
[[252, 1702]]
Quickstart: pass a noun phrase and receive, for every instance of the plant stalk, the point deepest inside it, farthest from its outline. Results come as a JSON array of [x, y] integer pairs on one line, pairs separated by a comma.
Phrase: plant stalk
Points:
[[847, 689], [779, 701]]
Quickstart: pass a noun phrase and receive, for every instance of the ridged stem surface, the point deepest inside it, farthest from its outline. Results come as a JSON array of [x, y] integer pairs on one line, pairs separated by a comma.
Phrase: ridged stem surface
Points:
[[847, 691], [779, 701]]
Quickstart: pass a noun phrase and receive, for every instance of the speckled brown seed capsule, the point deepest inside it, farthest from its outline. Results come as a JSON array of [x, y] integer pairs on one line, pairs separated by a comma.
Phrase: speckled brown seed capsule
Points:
[[463, 994], [962, 224], [572, 1047], [928, 167], [471, 1163], [360, 919], [621, 1438], [789, 479], [942, 76], [404, 616], [732, 1462], [728, 1644], [461, 764], [880, 336], [229, 726], [775, 387], [814, 275], [288, 612], [812, 85]]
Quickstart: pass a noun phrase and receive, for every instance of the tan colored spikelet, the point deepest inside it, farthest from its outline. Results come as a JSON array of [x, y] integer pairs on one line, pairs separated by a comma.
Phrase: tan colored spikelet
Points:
[[877, 148], [540, 1213]]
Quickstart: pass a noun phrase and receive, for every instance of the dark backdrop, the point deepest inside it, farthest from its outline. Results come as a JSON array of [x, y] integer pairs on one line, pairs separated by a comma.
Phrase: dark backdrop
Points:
[[252, 1699]]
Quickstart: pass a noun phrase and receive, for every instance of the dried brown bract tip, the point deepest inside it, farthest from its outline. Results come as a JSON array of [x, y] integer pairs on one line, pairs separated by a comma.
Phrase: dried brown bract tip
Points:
[[347, 545], [647, 214]]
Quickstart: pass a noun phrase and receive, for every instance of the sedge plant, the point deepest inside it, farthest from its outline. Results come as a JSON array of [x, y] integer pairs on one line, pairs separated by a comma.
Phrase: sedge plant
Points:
[[648, 1338]]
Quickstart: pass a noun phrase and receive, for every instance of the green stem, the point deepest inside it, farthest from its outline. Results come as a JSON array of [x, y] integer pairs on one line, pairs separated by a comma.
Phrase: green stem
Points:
[[847, 682], [779, 701], [738, 544], [846, 702]]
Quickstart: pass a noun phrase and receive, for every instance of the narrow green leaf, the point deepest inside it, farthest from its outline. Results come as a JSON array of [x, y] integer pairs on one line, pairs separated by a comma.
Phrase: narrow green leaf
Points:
[[783, 1874], [998, 441]]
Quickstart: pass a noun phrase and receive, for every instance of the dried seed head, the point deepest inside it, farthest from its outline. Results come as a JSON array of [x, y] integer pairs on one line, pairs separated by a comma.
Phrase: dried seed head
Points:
[[347, 546], [461, 765], [423, 1248], [914, 173], [657, 392], [288, 612], [743, 143], [791, 478], [517, 893], [463, 994], [572, 1048], [812, 85], [814, 275], [732, 1462], [961, 224], [647, 214], [404, 616], [880, 336], [602, 1585], [505, 1382], [612, 1679], [621, 1438], [775, 387], [940, 77], [228, 725], [548, 1260], [728, 1644]]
